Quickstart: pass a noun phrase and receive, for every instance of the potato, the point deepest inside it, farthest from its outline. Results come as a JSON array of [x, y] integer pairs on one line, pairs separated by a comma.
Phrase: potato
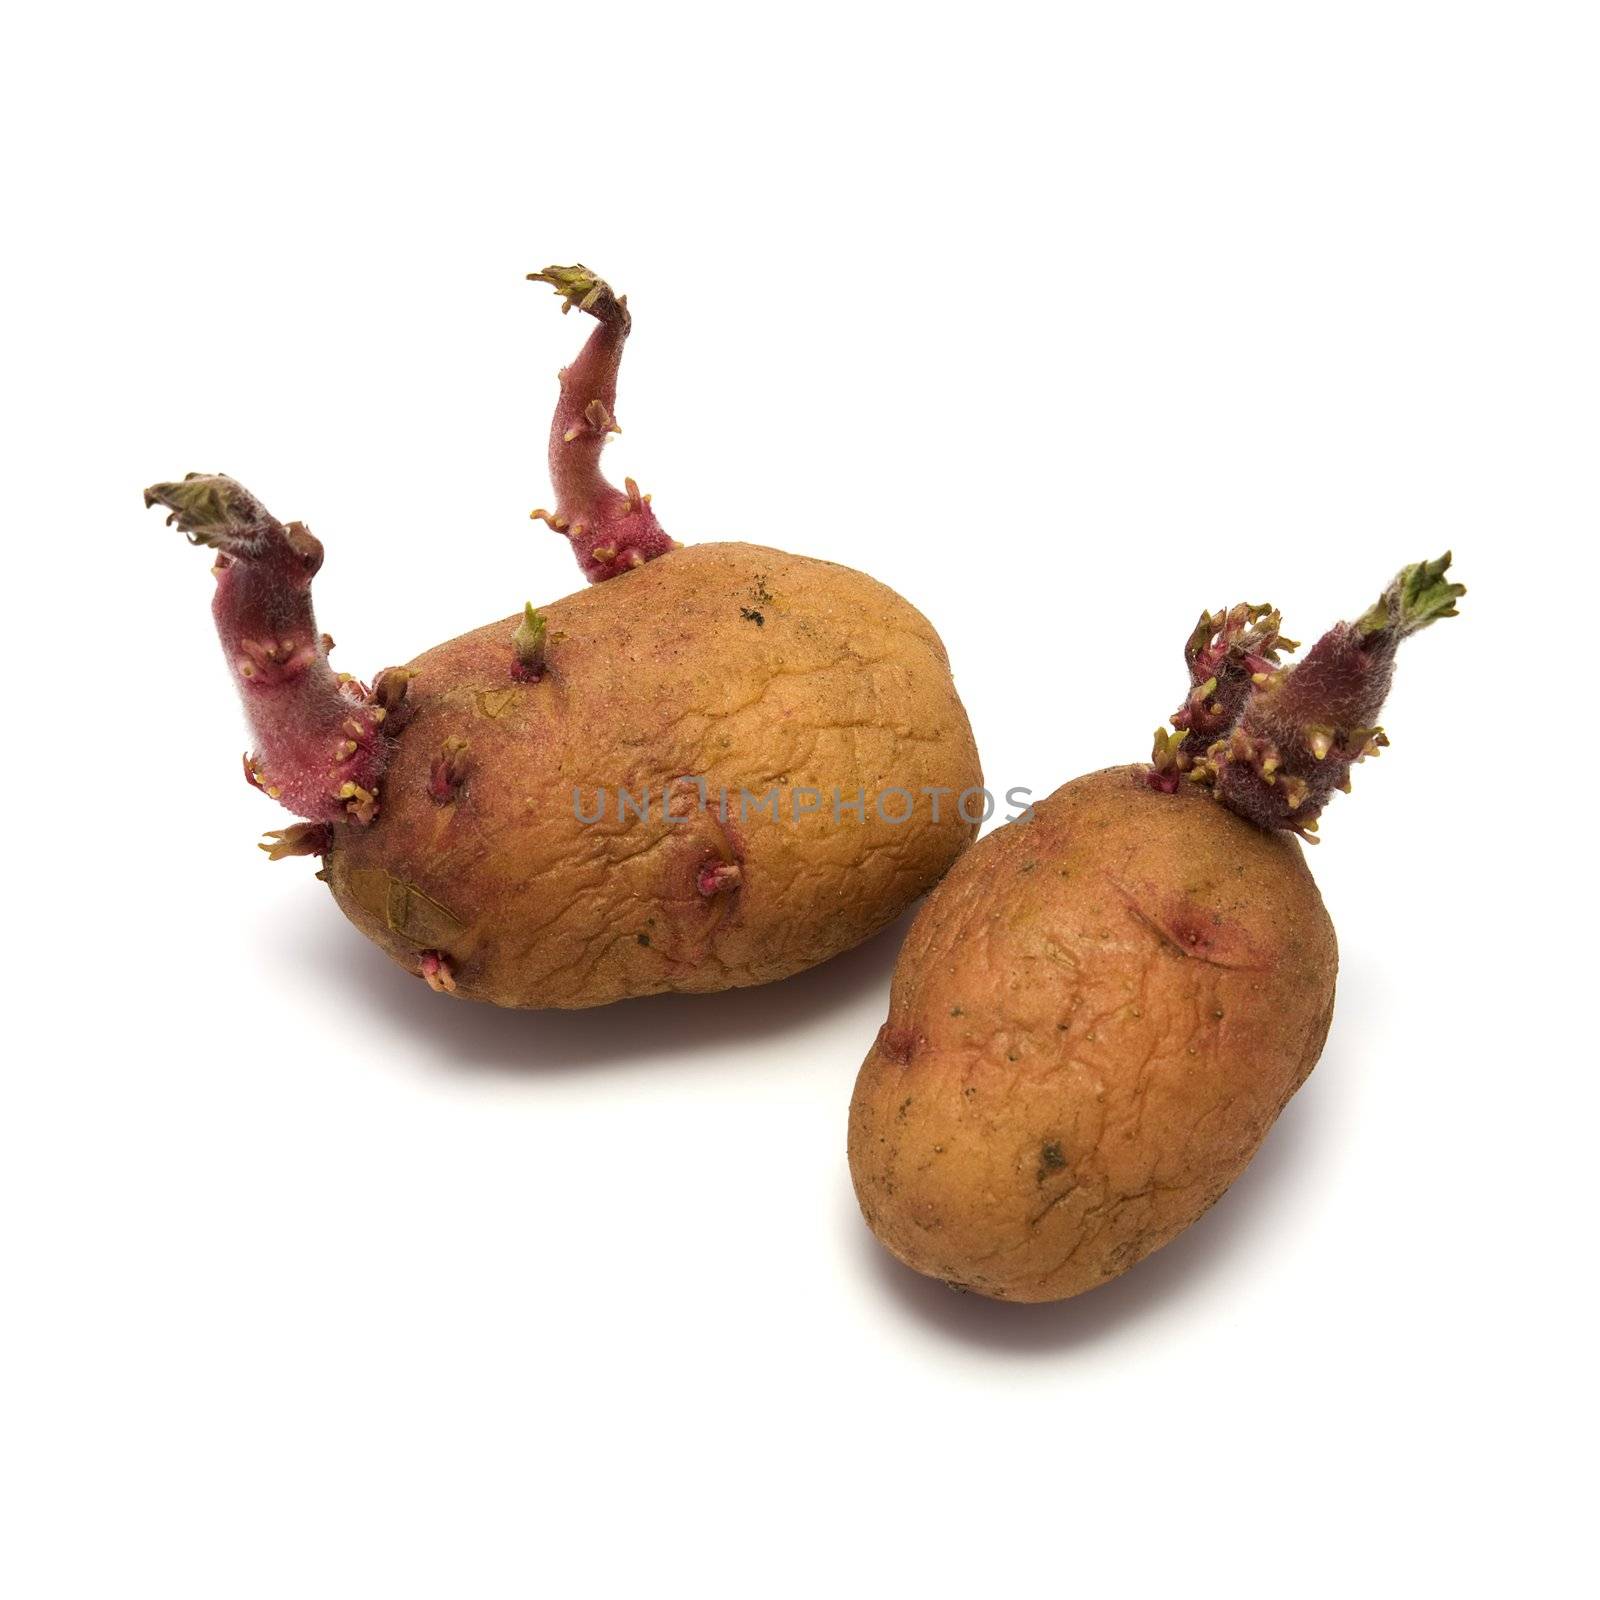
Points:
[[741, 666], [1102, 1010], [1094, 1022], [707, 771]]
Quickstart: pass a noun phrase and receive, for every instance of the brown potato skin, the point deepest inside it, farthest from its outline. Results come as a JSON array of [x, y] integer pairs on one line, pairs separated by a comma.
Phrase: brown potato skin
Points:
[[1096, 1018], [731, 662]]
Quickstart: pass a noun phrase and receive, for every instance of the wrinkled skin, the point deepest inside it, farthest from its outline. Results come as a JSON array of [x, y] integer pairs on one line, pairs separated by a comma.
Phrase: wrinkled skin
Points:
[[1096, 1018], [729, 662]]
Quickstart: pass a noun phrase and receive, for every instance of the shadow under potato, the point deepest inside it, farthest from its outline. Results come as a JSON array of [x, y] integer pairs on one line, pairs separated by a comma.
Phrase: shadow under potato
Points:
[[471, 1035], [662, 1029]]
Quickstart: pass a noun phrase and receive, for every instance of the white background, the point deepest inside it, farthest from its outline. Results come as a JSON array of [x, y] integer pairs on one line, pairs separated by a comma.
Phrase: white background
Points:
[[1064, 321]]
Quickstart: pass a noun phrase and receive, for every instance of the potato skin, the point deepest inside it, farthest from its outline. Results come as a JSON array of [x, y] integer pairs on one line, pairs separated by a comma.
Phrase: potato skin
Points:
[[733, 663], [1096, 1018]]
